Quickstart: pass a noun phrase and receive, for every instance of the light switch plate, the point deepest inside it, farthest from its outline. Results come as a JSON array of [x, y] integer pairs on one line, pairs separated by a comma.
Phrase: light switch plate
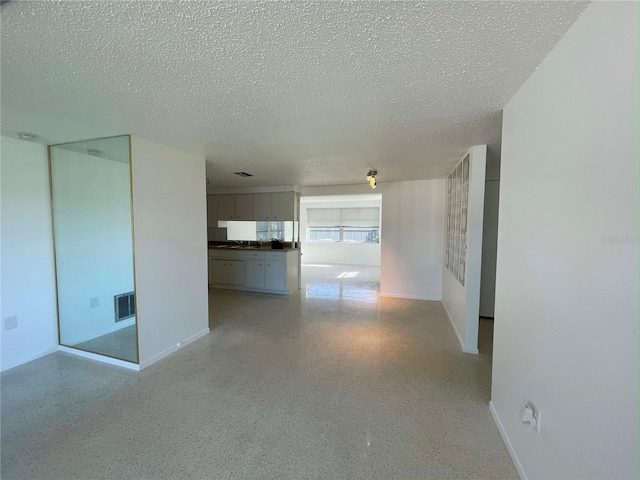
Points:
[[538, 414], [95, 301]]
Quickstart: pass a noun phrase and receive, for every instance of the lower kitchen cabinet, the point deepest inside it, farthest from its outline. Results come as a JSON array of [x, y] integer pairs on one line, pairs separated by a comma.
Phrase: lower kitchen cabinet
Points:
[[255, 274], [275, 275], [228, 272], [255, 270]]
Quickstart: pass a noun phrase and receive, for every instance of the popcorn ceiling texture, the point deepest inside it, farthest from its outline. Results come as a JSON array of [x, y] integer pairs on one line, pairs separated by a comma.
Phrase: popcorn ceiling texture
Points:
[[307, 93]]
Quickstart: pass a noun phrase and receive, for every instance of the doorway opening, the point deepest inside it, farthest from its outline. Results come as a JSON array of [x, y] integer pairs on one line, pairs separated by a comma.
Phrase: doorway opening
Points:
[[340, 243]]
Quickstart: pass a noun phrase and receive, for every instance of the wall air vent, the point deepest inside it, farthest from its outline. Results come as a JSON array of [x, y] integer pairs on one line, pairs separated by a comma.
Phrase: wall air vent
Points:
[[125, 306], [243, 174]]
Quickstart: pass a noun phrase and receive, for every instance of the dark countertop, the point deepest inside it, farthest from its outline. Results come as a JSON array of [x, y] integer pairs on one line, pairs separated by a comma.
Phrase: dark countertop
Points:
[[264, 248]]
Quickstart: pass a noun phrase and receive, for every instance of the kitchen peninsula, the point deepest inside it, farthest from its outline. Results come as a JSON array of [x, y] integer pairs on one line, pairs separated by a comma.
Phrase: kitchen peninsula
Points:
[[253, 268]]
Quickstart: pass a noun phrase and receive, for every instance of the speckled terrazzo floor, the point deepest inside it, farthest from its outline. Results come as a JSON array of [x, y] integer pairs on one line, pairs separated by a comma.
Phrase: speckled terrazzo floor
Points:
[[327, 383]]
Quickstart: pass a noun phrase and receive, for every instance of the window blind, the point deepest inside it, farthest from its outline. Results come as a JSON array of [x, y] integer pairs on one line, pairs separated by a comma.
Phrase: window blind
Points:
[[361, 217], [343, 217], [324, 217]]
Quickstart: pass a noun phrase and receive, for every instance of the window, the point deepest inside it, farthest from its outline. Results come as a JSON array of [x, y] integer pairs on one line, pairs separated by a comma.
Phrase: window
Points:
[[348, 225], [265, 231]]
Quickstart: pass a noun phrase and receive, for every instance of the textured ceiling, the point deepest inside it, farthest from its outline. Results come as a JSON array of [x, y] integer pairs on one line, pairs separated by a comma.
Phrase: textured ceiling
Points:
[[306, 93]]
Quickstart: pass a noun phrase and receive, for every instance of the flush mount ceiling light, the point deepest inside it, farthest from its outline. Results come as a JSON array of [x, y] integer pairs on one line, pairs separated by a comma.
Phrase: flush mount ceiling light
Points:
[[243, 174], [371, 178], [27, 136], [95, 152]]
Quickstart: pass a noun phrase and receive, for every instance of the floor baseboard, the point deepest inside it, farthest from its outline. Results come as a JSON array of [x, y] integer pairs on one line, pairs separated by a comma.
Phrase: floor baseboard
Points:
[[507, 442], [28, 358], [408, 297], [173, 348], [100, 358], [453, 325]]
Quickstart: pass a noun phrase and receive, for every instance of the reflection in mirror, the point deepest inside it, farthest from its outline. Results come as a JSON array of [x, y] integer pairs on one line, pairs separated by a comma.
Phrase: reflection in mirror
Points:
[[260, 231], [91, 198]]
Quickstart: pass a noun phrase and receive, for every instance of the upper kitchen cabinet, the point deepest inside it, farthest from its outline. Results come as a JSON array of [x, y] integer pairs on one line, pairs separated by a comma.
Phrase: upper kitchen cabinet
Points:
[[262, 207], [282, 206], [212, 211], [276, 207], [213, 232], [226, 207], [244, 207]]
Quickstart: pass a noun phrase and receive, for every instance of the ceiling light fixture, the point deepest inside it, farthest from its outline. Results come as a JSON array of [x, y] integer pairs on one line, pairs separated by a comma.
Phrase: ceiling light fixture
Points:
[[30, 137], [95, 152], [243, 174], [371, 178]]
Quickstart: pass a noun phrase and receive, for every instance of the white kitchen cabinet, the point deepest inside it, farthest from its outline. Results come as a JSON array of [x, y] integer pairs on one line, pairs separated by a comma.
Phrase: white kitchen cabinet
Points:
[[255, 274], [273, 207], [213, 232], [244, 207], [226, 207], [256, 270], [237, 272], [282, 206], [219, 271], [212, 211], [228, 272], [275, 275], [262, 207]]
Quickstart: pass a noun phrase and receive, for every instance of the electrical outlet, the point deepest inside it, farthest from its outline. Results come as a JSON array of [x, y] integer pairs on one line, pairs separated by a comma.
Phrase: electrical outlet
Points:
[[94, 301], [11, 322]]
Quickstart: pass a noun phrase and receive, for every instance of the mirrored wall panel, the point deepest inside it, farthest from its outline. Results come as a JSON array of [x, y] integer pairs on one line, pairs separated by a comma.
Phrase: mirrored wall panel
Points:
[[91, 198]]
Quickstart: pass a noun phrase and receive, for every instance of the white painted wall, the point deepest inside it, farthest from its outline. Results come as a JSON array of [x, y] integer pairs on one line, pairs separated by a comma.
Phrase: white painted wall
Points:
[[93, 243], [412, 239], [566, 317], [462, 302], [340, 252], [170, 228], [28, 288], [412, 235]]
